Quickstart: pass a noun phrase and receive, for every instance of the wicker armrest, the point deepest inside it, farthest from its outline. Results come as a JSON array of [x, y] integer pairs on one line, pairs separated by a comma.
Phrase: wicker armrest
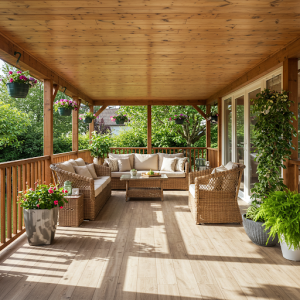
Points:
[[187, 168], [196, 174], [102, 170]]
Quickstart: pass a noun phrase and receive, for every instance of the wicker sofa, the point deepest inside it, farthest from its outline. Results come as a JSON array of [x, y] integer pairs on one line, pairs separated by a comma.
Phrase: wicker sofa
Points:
[[176, 180], [213, 197], [96, 191]]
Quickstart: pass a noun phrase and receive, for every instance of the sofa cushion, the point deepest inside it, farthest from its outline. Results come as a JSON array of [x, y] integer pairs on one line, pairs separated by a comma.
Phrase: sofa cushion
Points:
[[83, 171], [73, 162], [192, 190], [180, 162], [122, 156], [66, 166], [169, 164], [112, 164], [169, 174], [230, 165], [91, 168], [162, 155], [146, 162], [100, 184], [124, 165], [80, 162]]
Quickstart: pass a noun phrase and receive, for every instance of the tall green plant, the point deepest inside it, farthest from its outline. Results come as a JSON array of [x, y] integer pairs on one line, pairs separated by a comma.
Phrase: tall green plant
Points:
[[100, 144], [273, 134]]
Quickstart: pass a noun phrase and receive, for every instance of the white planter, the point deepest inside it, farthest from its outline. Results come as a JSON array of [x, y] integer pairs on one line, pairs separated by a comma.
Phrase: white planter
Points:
[[290, 254], [133, 173], [98, 161]]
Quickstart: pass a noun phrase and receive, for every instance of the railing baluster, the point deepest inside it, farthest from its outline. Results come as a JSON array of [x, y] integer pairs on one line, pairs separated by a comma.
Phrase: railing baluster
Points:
[[8, 202], [39, 171], [32, 175], [22, 186], [15, 197], [2, 204]]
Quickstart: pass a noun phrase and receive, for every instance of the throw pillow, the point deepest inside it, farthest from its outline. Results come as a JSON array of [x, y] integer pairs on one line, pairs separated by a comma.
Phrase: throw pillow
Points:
[[146, 162], [112, 164], [73, 162], [83, 171], [219, 169], [124, 165], [122, 156], [180, 163], [162, 155], [80, 162], [168, 164], [67, 166], [230, 165], [92, 170]]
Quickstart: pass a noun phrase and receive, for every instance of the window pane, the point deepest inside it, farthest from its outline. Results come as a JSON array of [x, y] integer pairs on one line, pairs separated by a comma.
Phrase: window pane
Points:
[[274, 83], [228, 130]]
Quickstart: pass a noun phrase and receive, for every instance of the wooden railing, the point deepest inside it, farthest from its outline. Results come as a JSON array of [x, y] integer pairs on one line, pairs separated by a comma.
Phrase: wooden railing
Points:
[[15, 176]]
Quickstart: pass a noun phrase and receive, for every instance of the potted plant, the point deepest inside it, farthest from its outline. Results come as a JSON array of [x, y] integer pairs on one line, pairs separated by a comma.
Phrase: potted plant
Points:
[[65, 107], [133, 172], [281, 212], [179, 119], [40, 207], [119, 119], [99, 147], [273, 121], [87, 117], [213, 117], [18, 83]]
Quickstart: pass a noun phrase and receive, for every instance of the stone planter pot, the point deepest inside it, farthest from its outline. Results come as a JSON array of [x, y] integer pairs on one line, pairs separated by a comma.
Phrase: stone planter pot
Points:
[[179, 121], [65, 112], [40, 225], [257, 234], [120, 122], [98, 160], [290, 254], [88, 120], [17, 90]]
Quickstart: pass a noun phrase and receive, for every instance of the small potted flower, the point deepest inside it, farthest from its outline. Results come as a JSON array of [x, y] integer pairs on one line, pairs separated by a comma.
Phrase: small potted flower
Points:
[[119, 119], [133, 172], [87, 117], [18, 83], [213, 118], [65, 107], [179, 119], [40, 206]]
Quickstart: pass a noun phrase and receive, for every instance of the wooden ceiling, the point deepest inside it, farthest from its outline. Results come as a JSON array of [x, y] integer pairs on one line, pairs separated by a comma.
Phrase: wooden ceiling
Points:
[[150, 50]]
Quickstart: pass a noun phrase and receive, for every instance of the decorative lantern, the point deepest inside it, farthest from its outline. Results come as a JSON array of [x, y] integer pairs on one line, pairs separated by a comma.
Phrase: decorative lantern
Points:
[[68, 187]]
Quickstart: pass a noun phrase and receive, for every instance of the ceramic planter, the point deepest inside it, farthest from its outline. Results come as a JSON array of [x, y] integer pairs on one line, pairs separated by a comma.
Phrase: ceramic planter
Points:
[[40, 225], [290, 254], [17, 90], [179, 121], [120, 122], [64, 111], [98, 160], [88, 120], [257, 234], [133, 173]]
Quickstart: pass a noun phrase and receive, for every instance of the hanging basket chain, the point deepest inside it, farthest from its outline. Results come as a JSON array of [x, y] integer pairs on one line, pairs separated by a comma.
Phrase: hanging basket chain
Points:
[[18, 60]]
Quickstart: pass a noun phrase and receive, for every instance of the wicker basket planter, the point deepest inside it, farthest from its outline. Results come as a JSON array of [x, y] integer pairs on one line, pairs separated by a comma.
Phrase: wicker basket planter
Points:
[[65, 112], [257, 234], [179, 121], [88, 120], [120, 122], [17, 90]]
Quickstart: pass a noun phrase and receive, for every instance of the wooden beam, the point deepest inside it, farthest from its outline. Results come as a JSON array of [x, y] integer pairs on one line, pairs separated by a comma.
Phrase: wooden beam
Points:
[[36, 68], [219, 131], [55, 90], [208, 128], [149, 129], [292, 50], [290, 84], [48, 126], [100, 110], [200, 111], [143, 102], [75, 115], [92, 125]]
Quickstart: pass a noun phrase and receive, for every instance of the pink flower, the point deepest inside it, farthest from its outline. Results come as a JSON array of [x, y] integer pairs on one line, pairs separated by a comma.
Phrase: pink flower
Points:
[[55, 202], [61, 207], [54, 188], [30, 189], [19, 72], [10, 72], [50, 191], [75, 108], [39, 199], [170, 119], [11, 80], [65, 191], [81, 119], [38, 205]]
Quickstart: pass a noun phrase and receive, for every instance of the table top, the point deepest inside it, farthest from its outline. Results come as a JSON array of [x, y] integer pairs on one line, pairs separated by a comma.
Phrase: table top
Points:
[[140, 177]]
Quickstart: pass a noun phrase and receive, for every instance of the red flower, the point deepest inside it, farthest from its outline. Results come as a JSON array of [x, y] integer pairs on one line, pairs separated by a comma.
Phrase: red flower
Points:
[[55, 202], [50, 191], [61, 207]]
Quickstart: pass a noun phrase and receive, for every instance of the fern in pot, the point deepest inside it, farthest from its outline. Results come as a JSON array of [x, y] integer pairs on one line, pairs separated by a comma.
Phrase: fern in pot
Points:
[[273, 121]]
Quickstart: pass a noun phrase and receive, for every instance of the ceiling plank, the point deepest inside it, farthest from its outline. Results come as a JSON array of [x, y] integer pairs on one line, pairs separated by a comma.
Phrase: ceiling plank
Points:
[[116, 102]]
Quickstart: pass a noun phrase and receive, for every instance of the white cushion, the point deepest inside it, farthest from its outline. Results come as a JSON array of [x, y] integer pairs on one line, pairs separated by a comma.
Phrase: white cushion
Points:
[[168, 164], [180, 163], [169, 174], [230, 165], [122, 156], [112, 164], [67, 166], [146, 162], [100, 184], [91, 168], [124, 165], [192, 190], [219, 169], [73, 162], [83, 171], [80, 162], [162, 155]]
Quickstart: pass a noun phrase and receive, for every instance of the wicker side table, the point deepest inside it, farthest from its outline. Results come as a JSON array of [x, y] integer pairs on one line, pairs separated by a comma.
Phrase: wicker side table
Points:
[[72, 212]]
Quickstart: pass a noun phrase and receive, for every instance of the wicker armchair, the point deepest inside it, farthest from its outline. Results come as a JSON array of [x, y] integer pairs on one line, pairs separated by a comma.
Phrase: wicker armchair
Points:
[[215, 197], [92, 204]]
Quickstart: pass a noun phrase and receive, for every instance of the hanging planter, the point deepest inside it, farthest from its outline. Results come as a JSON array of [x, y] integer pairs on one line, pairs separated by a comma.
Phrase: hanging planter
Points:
[[65, 107], [180, 119], [213, 118], [87, 117], [120, 119], [18, 83], [120, 122]]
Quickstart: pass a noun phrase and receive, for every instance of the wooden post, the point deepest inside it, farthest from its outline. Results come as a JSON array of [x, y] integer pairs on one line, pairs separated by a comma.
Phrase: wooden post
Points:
[[75, 114], [48, 126], [290, 84], [149, 146], [219, 131], [208, 128], [91, 124]]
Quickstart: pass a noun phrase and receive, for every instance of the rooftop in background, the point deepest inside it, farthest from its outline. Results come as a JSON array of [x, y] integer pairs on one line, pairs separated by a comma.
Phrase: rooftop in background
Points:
[[106, 114]]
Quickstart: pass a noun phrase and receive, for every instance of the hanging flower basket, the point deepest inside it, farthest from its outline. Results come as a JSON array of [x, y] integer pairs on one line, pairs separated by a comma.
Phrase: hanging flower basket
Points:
[[120, 122], [65, 107], [18, 83], [88, 120], [120, 119], [214, 119], [87, 117], [180, 119]]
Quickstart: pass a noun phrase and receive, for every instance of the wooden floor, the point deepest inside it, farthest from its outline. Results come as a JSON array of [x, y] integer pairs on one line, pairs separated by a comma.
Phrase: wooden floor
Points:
[[149, 250]]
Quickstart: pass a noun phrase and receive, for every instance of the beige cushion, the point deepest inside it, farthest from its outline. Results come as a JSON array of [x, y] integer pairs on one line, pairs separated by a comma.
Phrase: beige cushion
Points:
[[73, 162], [67, 166], [91, 168], [100, 184], [146, 162], [83, 171], [122, 156], [112, 164], [168, 164], [230, 165], [180, 163], [169, 174], [219, 169], [80, 162], [124, 165], [192, 190], [162, 155]]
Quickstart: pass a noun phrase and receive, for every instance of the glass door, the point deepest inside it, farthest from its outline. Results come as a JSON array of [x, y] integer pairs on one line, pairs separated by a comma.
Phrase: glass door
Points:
[[227, 155]]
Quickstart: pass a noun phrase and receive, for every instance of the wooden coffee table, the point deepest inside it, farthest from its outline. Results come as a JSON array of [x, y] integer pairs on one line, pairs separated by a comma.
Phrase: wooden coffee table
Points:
[[144, 187]]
